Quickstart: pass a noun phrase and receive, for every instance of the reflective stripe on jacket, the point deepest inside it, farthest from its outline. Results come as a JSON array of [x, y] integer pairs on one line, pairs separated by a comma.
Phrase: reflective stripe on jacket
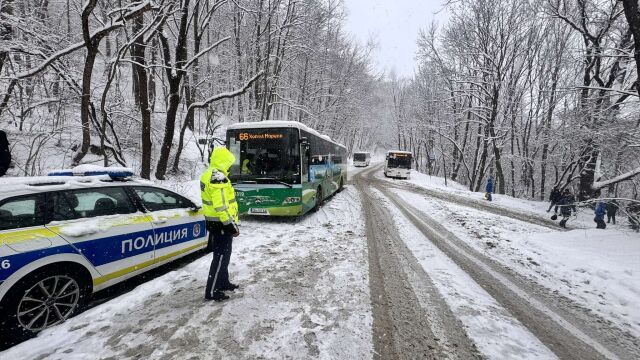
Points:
[[218, 197]]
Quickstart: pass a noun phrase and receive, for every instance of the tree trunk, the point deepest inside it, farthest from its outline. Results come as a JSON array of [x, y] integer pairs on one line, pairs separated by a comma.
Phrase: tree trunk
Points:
[[85, 104], [174, 72], [142, 99], [633, 18]]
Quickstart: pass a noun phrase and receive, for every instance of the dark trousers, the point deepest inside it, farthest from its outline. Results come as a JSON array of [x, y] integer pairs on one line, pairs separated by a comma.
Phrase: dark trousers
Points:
[[220, 243], [611, 217]]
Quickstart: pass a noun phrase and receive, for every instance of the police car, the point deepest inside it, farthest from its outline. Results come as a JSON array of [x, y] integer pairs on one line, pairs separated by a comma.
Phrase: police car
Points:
[[67, 235]]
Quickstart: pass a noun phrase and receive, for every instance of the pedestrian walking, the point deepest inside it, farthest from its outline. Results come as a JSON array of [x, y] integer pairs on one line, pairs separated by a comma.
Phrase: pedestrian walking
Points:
[[221, 214], [612, 209], [567, 204], [5, 153], [554, 197], [600, 211], [489, 188]]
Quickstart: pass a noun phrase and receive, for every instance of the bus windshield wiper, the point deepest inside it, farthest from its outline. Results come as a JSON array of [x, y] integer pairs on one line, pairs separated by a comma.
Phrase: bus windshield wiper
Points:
[[275, 180]]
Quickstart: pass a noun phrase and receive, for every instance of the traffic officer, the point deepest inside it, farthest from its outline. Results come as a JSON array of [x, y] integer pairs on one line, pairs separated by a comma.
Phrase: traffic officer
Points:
[[221, 213]]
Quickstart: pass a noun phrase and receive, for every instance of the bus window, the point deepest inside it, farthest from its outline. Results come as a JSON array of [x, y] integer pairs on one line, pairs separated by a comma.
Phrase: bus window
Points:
[[265, 155], [401, 161], [319, 160], [305, 165]]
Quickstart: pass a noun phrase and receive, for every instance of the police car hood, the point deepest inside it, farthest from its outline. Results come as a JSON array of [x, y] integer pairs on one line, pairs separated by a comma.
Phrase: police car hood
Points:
[[221, 159]]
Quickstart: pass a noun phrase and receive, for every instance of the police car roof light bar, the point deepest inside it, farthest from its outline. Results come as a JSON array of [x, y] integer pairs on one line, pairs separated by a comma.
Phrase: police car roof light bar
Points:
[[119, 174]]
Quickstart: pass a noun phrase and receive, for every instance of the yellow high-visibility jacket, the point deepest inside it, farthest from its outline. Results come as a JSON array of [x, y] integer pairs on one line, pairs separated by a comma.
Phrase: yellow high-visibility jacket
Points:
[[245, 167], [218, 197]]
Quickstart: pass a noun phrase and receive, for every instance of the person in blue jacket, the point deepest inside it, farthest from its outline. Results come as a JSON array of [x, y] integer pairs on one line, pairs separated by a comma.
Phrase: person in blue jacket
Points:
[[489, 188], [601, 211]]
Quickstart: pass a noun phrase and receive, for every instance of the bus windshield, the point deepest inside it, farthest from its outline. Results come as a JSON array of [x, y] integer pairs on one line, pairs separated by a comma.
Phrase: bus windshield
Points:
[[360, 157], [265, 155], [397, 160]]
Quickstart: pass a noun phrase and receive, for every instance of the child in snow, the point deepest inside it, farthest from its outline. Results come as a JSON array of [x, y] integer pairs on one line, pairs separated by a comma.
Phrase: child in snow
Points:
[[601, 210], [489, 188], [566, 205]]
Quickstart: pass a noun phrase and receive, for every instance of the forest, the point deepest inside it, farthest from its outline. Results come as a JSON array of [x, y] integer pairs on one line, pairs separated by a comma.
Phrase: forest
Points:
[[538, 94]]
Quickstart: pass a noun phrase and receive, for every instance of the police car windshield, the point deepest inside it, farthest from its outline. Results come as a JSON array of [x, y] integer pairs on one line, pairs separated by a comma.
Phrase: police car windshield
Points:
[[402, 161], [265, 155]]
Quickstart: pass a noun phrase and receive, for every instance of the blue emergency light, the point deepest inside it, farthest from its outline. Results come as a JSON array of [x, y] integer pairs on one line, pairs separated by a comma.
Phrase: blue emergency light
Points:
[[114, 174]]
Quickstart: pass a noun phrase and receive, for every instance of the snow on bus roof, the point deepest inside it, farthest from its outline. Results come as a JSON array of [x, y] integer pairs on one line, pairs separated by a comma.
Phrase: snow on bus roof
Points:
[[399, 152], [280, 124]]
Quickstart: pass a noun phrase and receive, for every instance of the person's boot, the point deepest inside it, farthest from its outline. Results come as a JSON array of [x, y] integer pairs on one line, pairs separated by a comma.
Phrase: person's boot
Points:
[[230, 287], [217, 296], [563, 223]]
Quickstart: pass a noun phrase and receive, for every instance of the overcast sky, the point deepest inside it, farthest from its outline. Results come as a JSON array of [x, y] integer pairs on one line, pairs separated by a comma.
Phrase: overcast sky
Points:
[[394, 24]]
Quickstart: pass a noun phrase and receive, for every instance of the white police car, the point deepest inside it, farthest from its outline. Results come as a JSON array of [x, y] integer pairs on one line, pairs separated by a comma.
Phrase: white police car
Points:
[[64, 237]]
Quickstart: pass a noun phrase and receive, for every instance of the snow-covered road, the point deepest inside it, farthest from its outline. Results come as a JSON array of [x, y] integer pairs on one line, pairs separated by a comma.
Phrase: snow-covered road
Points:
[[385, 270], [304, 294], [505, 313]]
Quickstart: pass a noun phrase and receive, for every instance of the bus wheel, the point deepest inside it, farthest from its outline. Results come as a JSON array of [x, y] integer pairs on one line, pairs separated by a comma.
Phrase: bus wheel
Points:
[[341, 185], [318, 199], [41, 300]]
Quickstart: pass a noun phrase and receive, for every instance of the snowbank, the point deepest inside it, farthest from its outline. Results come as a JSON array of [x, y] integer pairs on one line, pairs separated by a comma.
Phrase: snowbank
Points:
[[598, 269]]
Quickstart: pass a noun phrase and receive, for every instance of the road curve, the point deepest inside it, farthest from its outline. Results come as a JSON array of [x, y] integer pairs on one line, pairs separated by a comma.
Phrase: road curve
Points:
[[566, 328]]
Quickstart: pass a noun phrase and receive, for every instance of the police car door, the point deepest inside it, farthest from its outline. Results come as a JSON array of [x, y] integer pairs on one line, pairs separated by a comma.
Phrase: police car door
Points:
[[178, 228], [23, 237], [104, 224]]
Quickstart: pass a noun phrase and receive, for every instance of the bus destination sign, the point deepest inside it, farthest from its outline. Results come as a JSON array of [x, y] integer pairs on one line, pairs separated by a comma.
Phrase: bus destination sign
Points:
[[264, 136]]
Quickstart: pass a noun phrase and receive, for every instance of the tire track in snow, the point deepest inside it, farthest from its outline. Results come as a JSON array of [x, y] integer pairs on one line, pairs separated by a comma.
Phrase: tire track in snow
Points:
[[411, 319], [556, 324]]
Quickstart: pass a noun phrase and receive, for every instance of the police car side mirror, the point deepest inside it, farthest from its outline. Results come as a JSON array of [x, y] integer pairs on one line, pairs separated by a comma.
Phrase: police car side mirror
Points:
[[194, 207]]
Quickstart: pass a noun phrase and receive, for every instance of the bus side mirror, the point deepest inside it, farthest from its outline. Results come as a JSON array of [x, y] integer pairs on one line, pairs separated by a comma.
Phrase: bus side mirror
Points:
[[304, 142]]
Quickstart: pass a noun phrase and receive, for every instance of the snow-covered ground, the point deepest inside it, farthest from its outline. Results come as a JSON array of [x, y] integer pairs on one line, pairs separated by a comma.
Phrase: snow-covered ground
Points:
[[494, 331], [584, 219], [598, 269], [304, 293]]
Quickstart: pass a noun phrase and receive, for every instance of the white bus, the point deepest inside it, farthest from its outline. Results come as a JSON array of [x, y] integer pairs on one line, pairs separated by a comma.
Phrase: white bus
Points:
[[397, 164], [361, 159]]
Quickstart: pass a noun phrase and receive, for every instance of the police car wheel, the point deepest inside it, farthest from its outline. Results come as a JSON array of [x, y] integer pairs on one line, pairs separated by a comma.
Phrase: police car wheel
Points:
[[42, 300]]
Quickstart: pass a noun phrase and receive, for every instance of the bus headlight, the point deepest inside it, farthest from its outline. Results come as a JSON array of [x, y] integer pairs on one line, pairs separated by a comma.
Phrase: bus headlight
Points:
[[291, 200]]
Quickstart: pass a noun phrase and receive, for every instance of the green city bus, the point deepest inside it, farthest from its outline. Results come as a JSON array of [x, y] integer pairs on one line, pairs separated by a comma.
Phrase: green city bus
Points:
[[284, 168]]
